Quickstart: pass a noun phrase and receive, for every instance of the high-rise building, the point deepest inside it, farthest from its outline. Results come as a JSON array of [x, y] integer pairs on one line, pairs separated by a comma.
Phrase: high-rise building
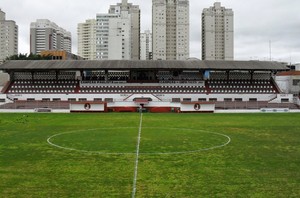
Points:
[[135, 15], [2, 15], [8, 37], [87, 39], [217, 33], [46, 35], [117, 34], [146, 45], [170, 29], [113, 36]]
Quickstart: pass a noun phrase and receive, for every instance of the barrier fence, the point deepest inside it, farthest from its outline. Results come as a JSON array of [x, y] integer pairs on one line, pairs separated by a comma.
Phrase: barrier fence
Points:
[[218, 105], [253, 105], [36, 104]]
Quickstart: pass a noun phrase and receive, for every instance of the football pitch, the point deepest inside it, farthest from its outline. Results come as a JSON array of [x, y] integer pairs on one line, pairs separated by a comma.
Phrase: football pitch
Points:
[[149, 155]]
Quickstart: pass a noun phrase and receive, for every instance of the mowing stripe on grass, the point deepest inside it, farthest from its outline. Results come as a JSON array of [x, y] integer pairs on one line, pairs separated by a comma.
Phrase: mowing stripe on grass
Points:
[[137, 157]]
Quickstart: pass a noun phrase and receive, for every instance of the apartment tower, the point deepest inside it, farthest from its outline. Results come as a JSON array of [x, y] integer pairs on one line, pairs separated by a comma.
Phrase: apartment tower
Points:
[[135, 24], [170, 29], [46, 35], [146, 45], [217, 33], [8, 37], [111, 36], [87, 39]]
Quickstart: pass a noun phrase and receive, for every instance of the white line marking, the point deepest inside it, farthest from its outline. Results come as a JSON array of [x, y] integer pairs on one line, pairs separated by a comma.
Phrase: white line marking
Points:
[[49, 141], [85, 151], [193, 151], [137, 158]]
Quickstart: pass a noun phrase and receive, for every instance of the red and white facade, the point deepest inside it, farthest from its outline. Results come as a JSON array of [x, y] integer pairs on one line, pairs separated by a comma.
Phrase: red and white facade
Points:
[[154, 86]]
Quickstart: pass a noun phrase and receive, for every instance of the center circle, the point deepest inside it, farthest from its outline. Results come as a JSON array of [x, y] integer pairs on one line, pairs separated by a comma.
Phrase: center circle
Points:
[[123, 140]]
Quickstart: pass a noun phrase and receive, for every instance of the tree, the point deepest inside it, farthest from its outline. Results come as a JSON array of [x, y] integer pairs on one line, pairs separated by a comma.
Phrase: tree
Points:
[[29, 57]]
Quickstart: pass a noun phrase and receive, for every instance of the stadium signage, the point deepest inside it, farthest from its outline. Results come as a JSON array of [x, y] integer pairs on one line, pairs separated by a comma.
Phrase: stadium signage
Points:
[[87, 106], [197, 107]]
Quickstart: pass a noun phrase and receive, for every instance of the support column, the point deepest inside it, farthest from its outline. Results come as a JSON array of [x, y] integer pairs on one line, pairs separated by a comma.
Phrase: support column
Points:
[[81, 75], [252, 73], [12, 76], [228, 75], [106, 75], [56, 74]]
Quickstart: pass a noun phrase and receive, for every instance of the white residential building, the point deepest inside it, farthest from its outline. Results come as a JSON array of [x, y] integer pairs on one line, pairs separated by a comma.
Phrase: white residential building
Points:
[[113, 36], [135, 15], [297, 67], [217, 33], [146, 45], [46, 35], [8, 37], [289, 82], [87, 39], [170, 29]]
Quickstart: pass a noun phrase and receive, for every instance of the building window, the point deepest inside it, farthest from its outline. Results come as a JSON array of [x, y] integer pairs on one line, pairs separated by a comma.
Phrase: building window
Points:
[[252, 99], [228, 99], [296, 82], [72, 99], [186, 99], [108, 99], [202, 99], [175, 99]]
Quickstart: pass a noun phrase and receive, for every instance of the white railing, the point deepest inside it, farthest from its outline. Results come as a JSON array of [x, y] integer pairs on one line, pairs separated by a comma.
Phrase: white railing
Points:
[[297, 101], [124, 83], [10, 97]]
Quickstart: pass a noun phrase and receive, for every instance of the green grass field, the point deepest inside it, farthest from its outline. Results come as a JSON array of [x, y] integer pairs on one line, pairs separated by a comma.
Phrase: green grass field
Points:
[[181, 155]]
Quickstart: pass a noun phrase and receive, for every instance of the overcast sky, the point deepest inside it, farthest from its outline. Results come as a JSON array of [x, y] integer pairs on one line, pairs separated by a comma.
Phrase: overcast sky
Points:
[[257, 22]]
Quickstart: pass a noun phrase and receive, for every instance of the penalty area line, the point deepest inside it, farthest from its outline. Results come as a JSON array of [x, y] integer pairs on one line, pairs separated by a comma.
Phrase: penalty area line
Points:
[[137, 157]]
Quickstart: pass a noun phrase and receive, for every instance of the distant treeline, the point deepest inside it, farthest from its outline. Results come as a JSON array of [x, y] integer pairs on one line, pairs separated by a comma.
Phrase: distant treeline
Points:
[[29, 57]]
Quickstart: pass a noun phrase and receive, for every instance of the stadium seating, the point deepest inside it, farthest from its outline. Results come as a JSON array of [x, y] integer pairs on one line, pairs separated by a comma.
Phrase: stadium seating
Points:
[[118, 82], [42, 86], [218, 75], [127, 88], [261, 76], [241, 86], [164, 76], [22, 75]]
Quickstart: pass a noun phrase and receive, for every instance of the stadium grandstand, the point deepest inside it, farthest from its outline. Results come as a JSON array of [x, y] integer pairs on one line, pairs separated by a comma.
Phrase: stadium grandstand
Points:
[[154, 86]]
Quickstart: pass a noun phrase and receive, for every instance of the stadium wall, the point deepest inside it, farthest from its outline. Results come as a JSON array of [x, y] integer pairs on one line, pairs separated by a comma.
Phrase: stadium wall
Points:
[[154, 107], [159, 103], [32, 111], [162, 109], [88, 107], [155, 97], [4, 77], [283, 98], [197, 107]]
